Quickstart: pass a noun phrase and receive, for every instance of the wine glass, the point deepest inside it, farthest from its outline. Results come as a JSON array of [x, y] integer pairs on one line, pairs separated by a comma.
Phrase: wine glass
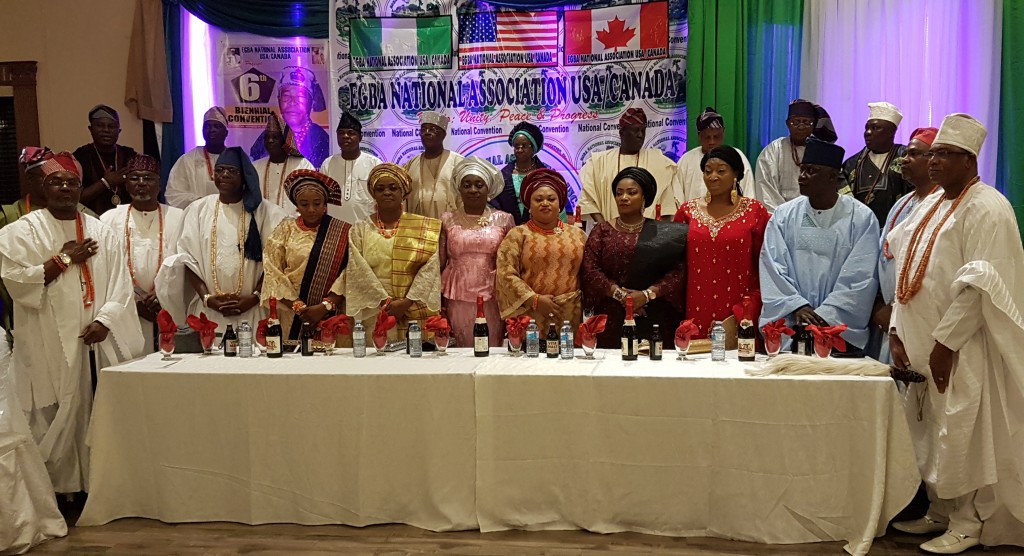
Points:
[[772, 345], [682, 346], [589, 344], [515, 344], [379, 342], [328, 338], [166, 345], [441, 340], [206, 338], [823, 347]]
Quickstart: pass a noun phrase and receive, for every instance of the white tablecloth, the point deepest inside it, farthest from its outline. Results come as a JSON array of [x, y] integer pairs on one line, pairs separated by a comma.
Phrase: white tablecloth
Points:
[[671, 448], [690, 449], [301, 440]]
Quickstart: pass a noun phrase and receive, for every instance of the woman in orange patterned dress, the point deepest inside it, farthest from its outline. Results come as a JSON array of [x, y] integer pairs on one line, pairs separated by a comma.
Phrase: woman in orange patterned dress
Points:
[[539, 262], [724, 242]]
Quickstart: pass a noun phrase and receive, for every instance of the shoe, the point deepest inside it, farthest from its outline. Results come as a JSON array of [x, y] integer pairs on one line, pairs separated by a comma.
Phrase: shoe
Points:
[[950, 543], [921, 526]]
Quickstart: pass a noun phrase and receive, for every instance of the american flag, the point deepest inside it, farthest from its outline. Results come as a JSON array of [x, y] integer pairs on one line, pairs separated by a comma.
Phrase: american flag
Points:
[[508, 39]]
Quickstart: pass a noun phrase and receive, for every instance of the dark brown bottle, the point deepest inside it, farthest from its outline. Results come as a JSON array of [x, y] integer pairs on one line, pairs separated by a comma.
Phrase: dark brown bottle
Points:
[[274, 333], [481, 334], [551, 343], [230, 342], [630, 343], [747, 332]]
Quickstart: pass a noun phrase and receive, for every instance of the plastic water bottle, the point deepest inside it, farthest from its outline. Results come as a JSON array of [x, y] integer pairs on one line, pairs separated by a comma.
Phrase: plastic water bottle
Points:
[[565, 341], [415, 339], [718, 342], [532, 339], [359, 340], [245, 339]]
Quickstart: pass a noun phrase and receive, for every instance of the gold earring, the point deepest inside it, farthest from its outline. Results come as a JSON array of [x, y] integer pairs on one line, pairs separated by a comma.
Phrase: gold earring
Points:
[[734, 196], [707, 198]]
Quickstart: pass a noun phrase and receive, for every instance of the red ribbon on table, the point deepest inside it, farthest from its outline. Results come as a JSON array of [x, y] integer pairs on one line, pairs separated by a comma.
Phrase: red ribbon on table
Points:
[[339, 324], [516, 326], [437, 324], [385, 322], [165, 322], [773, 331], [829, 336], [201, 323], [593, 326], [686, 331]]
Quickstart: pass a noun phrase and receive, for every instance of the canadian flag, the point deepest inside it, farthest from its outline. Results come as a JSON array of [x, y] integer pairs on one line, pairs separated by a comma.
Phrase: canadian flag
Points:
[[632, 27]]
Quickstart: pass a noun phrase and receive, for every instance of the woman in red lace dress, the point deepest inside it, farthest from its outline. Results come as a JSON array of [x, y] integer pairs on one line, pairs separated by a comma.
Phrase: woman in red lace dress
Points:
[[724, 242]]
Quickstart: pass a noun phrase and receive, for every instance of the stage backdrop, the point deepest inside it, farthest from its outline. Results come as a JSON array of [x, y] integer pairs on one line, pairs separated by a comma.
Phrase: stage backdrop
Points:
[[572, 71], [251, 73]]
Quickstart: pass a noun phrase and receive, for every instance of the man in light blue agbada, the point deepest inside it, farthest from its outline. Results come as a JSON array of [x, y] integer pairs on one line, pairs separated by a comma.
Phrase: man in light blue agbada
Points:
[[819, 259]]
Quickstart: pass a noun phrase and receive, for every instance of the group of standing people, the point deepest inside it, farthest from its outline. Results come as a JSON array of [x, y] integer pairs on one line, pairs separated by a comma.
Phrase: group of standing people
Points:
[[903, 244]]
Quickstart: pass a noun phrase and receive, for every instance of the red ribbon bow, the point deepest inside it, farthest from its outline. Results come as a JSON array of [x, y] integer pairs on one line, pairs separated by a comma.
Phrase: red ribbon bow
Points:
[[437, 324], [261, 329], [516, 326], [686, 330], [385, 322], [593, 326], [773, 331], [829, 336], [165, 322], [200, 323], [339, 324]]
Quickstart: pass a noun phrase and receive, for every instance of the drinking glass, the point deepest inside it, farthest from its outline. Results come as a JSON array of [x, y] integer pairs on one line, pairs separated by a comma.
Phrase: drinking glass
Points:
[[589, 344], [328, 339], [206, 339], [379, 342], [441, 340], [772, 346], [823, 348], [166, 345], [515, 344], [682, 346]]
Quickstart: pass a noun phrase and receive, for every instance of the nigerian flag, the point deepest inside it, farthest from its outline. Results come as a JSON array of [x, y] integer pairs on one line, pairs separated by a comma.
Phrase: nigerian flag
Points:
[[394, 43]]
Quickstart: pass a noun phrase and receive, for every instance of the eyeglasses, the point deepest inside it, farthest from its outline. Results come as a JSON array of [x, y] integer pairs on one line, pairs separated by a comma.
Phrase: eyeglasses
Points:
[[943, 155], [59, 184], [142, 179], [227, 171], [801, 123]]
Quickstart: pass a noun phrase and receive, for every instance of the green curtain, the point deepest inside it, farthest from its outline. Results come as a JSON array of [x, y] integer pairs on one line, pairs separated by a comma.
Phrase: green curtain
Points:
[[743, 58], [1010, 162], [270, 18]]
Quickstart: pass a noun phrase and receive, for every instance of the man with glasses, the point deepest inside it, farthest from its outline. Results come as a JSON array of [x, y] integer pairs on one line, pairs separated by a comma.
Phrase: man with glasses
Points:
[[103, 161], [433, 192], [73, 293], [148, 232], [957, 320], [778, 166], [873, 174], [191, 176], [32, 198]]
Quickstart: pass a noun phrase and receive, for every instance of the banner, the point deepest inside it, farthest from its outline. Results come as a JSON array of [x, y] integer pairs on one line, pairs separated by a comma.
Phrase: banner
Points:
[[572, 72], [257, 76]]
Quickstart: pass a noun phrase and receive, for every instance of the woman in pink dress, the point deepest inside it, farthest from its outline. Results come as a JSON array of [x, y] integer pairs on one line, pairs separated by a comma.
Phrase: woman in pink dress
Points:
[[724, 242], [470, 239]]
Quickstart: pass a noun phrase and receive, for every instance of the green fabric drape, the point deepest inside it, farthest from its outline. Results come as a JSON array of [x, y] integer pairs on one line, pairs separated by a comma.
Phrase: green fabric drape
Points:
[[1010, 162], [743, 58]]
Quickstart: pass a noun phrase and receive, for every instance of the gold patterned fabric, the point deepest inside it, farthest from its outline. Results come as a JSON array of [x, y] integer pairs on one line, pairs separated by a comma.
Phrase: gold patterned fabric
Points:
[[404, 266], [531, 263]]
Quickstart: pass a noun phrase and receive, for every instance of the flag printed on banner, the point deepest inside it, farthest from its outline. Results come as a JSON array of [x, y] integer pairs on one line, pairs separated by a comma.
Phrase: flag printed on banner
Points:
[[396, 43], [616, 34], [508, 39]]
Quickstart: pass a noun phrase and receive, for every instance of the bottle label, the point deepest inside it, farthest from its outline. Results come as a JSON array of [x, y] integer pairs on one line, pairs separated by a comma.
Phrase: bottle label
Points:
[[746, 347], [480, 343], [630, 347], [656, 349], [231, 346], [552, 347], [273, 345]]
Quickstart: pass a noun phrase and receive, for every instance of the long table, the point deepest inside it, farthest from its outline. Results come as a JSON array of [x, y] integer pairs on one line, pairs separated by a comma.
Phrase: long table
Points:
[[683, 448]]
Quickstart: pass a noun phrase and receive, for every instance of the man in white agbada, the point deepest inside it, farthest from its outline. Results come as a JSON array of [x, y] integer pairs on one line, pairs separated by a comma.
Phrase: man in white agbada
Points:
[[597, 200], [778, 166], [433, 190], [820, 254], [690, 178], [71, 290], [191, 176], [219, 265], [351, 169], [957, 320], [148, 232], [283, 158], [914, 167]]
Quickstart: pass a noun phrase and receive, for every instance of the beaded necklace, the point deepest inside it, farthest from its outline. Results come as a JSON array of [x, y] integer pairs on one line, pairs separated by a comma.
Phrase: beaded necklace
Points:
[[280, 184], [89, 297], [892, 222], [907, 286], [241, 251], [533, 226], [128, 243]]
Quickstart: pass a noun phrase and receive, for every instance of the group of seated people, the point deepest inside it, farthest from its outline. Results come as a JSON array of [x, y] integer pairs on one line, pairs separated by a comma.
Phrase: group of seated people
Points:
[[805, 237]]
